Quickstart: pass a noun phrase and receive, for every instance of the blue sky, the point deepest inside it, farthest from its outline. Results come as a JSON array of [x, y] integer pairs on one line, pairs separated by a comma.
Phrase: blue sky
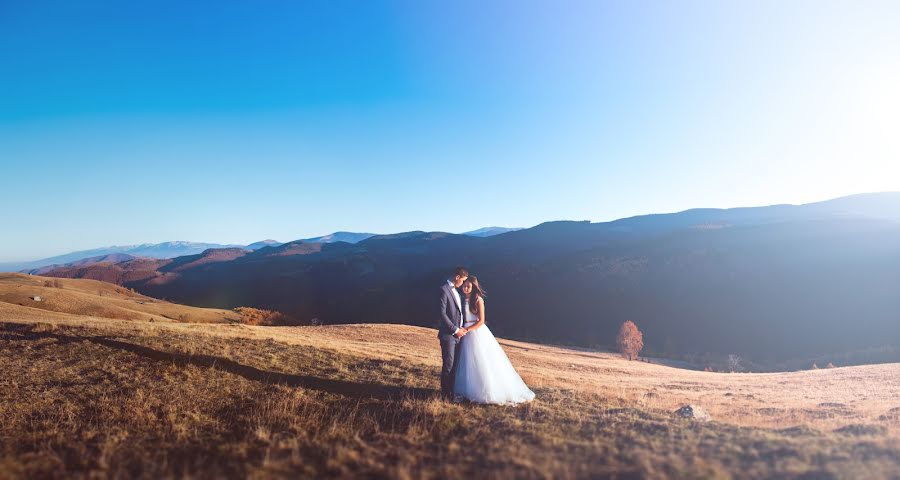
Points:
[[132, 122]]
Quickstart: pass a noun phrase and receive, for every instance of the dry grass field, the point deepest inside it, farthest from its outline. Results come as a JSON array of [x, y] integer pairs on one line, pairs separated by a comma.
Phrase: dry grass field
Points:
[[100, 299], [93, 388]]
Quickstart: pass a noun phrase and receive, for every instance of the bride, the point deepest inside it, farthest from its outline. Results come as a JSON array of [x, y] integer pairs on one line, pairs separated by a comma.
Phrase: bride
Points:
[[483, 371]]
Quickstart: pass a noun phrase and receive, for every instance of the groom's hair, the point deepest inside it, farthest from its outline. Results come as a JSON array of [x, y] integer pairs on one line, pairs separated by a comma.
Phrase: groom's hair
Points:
[[461, 272]]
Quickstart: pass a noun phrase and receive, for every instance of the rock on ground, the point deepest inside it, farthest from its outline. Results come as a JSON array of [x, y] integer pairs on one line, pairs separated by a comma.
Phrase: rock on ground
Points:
[[695, 412]]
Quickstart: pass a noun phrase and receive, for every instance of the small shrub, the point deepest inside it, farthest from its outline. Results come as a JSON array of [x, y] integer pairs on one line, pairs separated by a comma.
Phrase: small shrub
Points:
[[48, 284], [830, 365], [260, 317], [814, 366], [43, 328], [630, 340]]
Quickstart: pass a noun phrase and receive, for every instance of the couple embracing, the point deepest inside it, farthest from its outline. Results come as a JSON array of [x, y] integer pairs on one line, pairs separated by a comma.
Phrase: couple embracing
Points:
[[475, 368]]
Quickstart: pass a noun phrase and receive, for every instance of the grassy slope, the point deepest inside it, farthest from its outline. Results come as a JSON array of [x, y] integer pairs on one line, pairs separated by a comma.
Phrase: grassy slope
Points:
[[94, 396], [101, 299]]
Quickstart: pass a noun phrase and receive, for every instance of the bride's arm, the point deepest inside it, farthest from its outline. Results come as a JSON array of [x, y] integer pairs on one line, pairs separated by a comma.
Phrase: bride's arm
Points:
[[480, 322]]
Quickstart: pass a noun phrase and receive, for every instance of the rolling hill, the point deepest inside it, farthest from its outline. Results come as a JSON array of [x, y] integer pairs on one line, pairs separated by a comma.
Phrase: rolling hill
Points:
[[490, 231], [109, 258], [63, 298], [174, 249], [119, 395], [263, 243], [147, 250], [348, 237], [778, 286]]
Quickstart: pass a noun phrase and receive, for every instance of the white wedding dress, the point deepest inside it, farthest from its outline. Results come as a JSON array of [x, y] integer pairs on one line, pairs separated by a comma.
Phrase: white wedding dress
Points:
[[483, 371]]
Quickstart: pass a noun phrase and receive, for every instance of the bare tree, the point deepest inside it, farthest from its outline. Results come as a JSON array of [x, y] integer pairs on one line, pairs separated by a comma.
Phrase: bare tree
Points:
[[734, 362]]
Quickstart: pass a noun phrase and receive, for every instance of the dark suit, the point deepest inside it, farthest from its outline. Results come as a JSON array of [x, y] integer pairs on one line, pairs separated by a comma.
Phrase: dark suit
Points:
[[448, 322]]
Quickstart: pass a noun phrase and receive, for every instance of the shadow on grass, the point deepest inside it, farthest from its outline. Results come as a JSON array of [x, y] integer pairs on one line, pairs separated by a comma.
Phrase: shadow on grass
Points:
[[339, 387]]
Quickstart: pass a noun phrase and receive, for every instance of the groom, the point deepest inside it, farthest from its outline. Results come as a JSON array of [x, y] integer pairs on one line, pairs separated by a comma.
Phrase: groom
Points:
[[450, 328]]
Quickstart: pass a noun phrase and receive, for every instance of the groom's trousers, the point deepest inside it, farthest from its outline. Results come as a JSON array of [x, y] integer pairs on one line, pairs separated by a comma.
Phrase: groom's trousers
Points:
[[449, 350]]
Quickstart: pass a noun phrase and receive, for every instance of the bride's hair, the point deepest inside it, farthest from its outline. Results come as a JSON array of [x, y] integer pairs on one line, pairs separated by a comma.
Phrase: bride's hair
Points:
[[476, 292]]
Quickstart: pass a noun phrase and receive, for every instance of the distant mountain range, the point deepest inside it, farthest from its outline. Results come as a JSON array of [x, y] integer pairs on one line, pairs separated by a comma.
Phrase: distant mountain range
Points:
[[349, 237], [262, 244], [490, 231], [180, 248], [147, 250], [773, 284], [110, 258]]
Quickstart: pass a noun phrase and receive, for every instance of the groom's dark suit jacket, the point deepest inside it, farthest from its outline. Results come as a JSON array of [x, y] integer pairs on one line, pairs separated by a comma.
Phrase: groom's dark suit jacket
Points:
[[450, 318]]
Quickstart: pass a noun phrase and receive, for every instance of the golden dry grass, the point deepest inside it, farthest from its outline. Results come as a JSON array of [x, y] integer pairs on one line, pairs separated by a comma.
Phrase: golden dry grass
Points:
[[100, 299], [85, 396]]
